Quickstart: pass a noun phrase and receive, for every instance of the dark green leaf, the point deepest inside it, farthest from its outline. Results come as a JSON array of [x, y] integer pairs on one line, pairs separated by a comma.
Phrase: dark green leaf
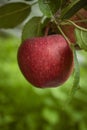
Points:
[[81, 38], [49, 7], [72, 8], [13, 14], [32, 28]]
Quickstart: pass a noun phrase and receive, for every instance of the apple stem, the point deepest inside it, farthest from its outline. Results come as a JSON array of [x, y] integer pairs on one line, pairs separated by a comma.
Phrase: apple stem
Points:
[[47, 30], [81, 28]]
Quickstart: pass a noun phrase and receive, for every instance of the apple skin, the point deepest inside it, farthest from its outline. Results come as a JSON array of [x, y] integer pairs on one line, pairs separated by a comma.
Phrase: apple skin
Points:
[[69, 29], [46, 61]]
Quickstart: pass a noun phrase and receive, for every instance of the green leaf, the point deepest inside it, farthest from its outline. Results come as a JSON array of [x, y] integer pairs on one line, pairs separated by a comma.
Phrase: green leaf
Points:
[[32, 28], [76, 80], [81, 38], [12, 14], [49, 7], [72, 8]]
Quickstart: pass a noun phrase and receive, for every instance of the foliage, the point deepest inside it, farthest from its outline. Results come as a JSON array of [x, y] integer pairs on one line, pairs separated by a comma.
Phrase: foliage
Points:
[[34, 28], [13, 14], [81, 38]]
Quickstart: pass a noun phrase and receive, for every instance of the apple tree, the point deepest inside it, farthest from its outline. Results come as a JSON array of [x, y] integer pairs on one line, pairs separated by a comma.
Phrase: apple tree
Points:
[[67, 18]]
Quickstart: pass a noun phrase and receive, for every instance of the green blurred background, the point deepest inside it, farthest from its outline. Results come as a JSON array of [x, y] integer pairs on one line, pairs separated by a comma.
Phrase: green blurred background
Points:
[[23, 107]]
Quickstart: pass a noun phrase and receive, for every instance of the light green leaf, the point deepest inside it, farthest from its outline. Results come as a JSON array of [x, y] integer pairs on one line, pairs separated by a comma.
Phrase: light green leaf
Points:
[[12, 14], [49, 7], [81, 38], [32, 28], [76, 80]]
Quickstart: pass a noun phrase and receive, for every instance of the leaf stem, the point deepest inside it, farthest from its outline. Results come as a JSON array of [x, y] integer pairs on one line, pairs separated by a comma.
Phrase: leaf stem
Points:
[[64, 35], [81, 28], [54, 19], [61, 31], [76, 21], [79, 21]]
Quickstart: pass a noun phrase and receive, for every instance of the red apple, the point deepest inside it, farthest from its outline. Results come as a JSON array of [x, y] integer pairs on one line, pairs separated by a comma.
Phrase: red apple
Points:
[[69, 29], [46, 61]]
